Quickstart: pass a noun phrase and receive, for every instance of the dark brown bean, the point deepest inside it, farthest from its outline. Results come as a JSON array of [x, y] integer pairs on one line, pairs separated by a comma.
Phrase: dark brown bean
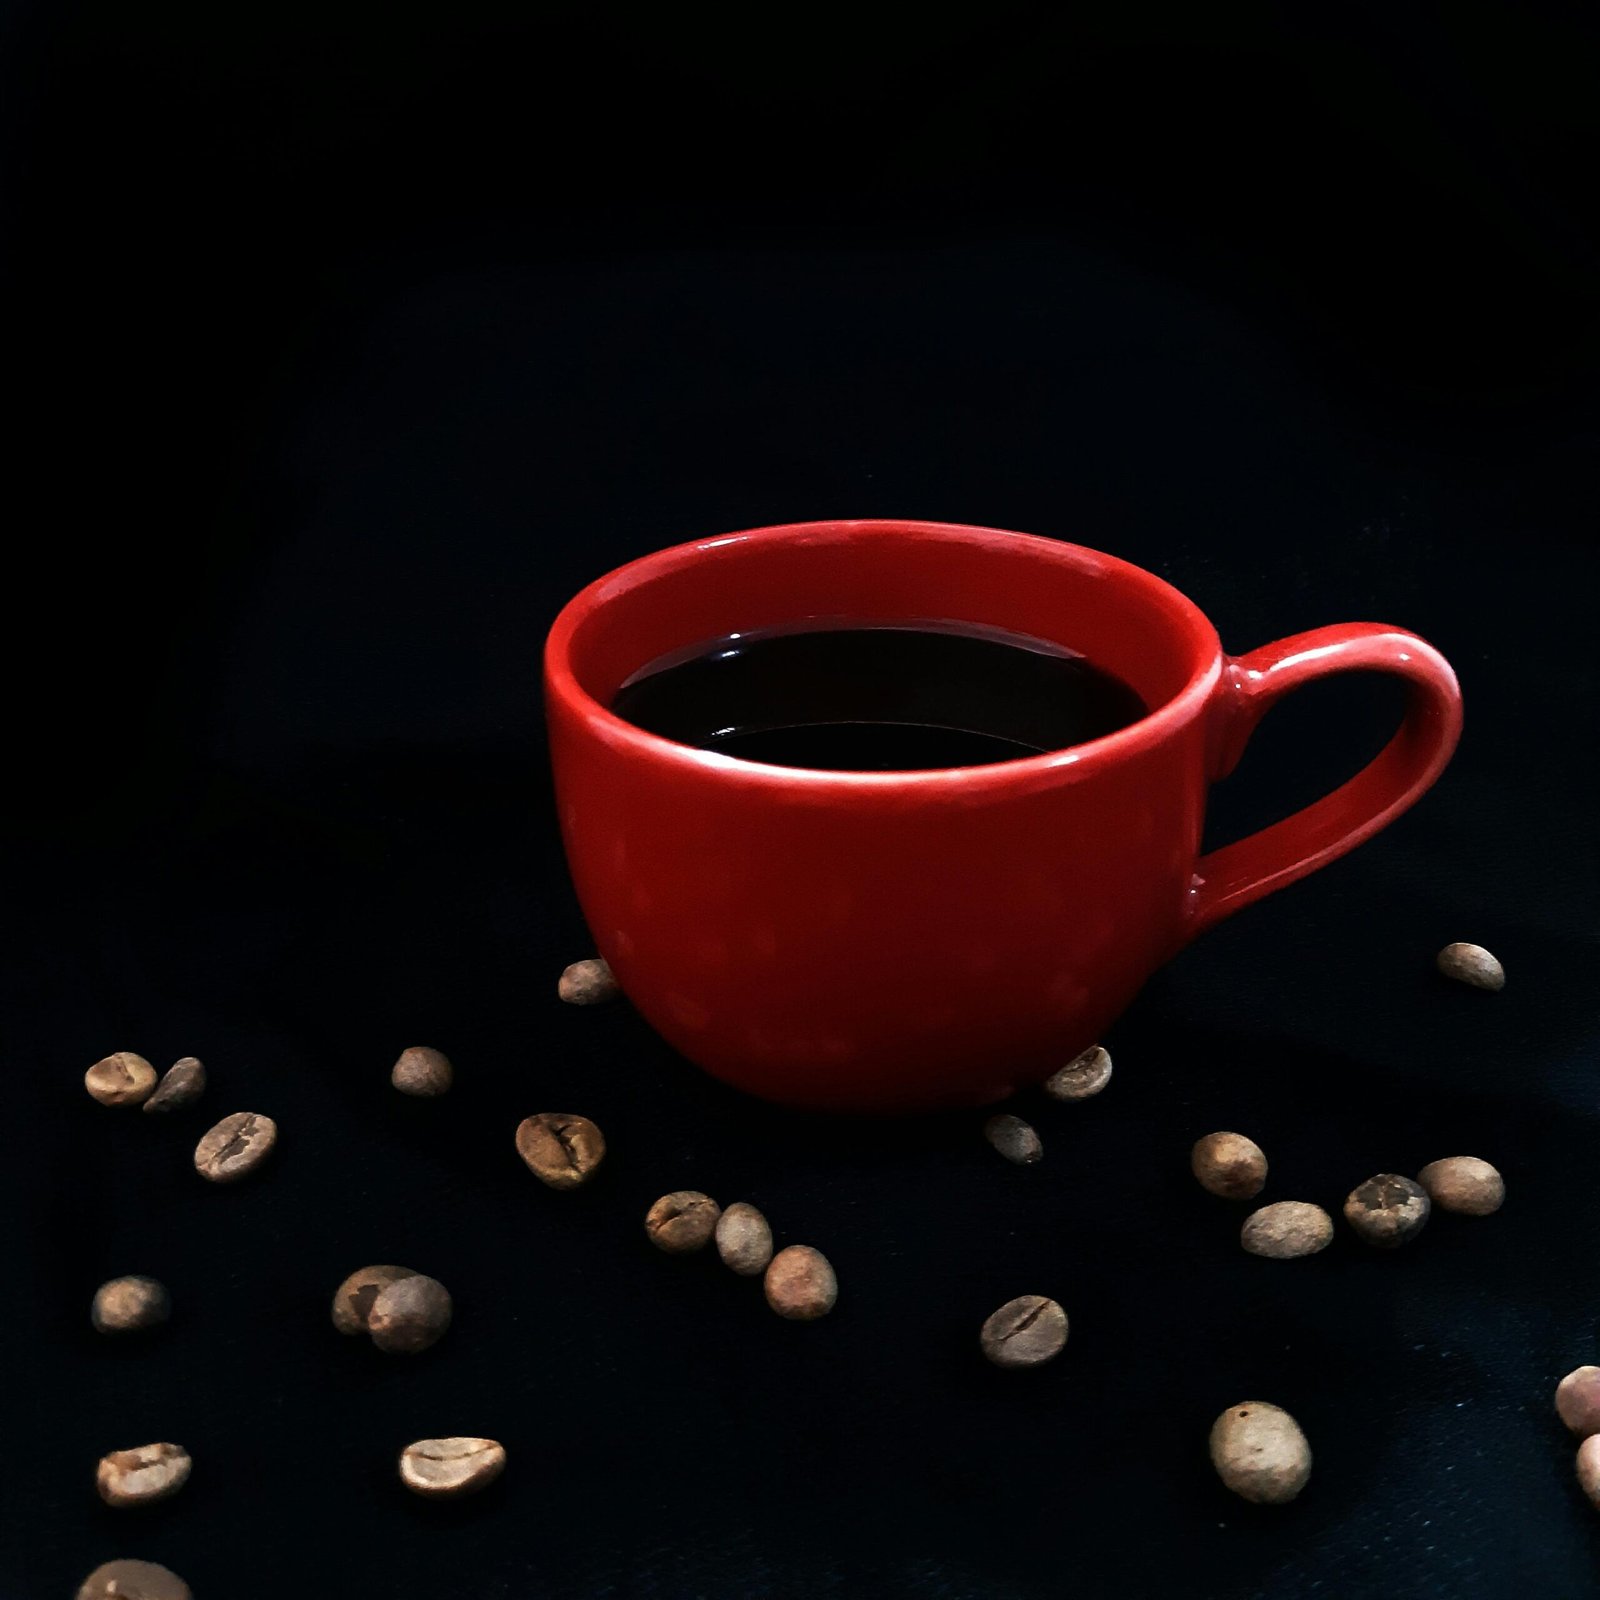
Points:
[[1472, 964], [1084, 1075], [800, 1284], [588, 983], [446, 1469], [1463, 1184], [1260, 1453], [1387, 1210], [682, 1222], [181, 1085], [133, 1580], [123, 1079], [409, 1315], [128, 1305], [560, 1149], [1230, 1165], [146, 1473], [1025, 1332], [423, 1072], [1287, 1229], [1578, 1400], [1014, 1139], [352, 1300], [235, 1147], [744, 1239]]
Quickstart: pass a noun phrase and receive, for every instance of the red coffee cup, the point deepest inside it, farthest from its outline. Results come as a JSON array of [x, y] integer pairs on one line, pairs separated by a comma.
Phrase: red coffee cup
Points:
[[898, 941]]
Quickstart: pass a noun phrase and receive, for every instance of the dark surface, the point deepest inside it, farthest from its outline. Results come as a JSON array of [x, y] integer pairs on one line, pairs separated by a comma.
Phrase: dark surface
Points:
[[348, 353]]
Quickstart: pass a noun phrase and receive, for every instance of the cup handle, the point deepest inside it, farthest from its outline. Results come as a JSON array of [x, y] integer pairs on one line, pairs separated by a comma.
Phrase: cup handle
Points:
[[1232, 877]]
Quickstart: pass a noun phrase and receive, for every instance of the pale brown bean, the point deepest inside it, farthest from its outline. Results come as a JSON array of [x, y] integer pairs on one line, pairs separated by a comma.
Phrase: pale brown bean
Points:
[[446, 1469], [122, 1079], [144, 1474], [1260, 1453]]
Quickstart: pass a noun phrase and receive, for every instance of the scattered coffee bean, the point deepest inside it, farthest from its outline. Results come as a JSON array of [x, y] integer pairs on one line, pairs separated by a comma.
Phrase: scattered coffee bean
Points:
[[1013, 1138], [409, 1315], [423, 1072], [181, 1085], [123, 1079], [138, 1476], [444, 1469], [1230, 1165], [1287, 1229], [1589, 1467], [1025, 1332], [236, 1146], [588, 983], [1082, 1076], [744, 1239], [1463, 1184], [352, 1300], [1578, 1401], [1387, 1210], [1471, 963], [1260, 1453], [800, 1284], [126, 1305], [682, 1221], [133, 1580], [560, 1149]]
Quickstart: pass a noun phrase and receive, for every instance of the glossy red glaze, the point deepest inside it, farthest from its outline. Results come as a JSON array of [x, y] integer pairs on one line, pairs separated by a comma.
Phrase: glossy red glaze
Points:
[[898, 941]]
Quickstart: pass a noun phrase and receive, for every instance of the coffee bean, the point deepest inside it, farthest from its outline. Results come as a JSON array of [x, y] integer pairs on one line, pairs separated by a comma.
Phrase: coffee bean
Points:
[[1230, 1165], [1471, 963], [1578, 1400], [133, 1580], [1287, 1229], [1082, 1076], [560, 1149], [444, 1469], [800, 1284], [1025, 1332], [146, 1473], [181, 1085], [1463, 1184], [1387, 1210], [409, 1315], [682, 1221], [126, 1305], [744, 1240], [422, 1072], [123, 1079], [1014, 1139], [1260, 1453], [588, 983], [236, 1146], [352, 1300], [1589, 1467]]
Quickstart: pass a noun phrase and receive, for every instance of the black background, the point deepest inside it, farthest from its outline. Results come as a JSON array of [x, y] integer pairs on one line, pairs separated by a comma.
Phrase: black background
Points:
[[344, 347]]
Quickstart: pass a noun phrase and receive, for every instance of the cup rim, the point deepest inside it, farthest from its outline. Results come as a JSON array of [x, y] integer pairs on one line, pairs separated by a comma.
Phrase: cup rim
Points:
[[561, 682]]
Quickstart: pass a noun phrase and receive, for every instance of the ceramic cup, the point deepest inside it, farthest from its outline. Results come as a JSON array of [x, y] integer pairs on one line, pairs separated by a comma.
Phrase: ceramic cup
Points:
[[907, 940]]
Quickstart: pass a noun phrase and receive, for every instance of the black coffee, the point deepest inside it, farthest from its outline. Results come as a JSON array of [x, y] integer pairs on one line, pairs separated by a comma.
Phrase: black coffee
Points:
[[878, 699]]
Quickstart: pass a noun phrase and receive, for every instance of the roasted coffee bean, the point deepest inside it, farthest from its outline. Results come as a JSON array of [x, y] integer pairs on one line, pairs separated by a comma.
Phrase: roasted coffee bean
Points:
[[133, 1580], [1463, 1184], [1025, 1332], [422, 1072], [181, 1085], [1287, 1229], [1083, 1076], [560, 1149], [352, 1300], [126, 1305], [236, 1146], [800, 1284], [1387, 1210], [682, 1221], [1589, 1467], [744, 1240], [445, 1469], [1578, 1400], [409, 1315], [138, 1476], [123, 1079], [588, 983], [1230, 1165], [1013, 1138], [1471, 963], [1260, 1453]]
